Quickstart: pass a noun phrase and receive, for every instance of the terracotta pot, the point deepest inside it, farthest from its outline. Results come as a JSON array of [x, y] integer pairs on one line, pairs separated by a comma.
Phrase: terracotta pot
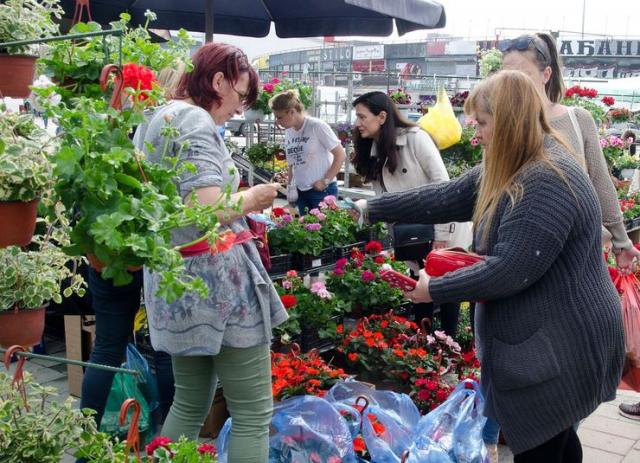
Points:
[[17, 222], [23, 327], [16, 74], [98, 265]]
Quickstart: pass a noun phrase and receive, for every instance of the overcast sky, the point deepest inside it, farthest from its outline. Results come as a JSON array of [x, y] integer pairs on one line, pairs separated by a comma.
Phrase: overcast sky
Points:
[[479, 19]]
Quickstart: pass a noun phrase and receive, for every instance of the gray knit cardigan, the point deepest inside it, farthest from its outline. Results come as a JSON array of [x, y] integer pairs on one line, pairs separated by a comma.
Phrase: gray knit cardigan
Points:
[[552, 335]]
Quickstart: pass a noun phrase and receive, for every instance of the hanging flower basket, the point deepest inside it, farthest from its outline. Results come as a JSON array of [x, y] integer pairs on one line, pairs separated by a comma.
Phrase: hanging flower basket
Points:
[[23, 327], [17, 222], [16, 74]]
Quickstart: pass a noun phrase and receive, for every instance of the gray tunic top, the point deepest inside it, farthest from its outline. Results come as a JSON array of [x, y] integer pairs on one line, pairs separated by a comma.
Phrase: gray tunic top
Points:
[[551, 328], [242, 305]]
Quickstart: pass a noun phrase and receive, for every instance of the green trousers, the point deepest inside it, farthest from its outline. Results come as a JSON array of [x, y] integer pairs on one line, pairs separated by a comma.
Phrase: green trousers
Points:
[[245, 375]]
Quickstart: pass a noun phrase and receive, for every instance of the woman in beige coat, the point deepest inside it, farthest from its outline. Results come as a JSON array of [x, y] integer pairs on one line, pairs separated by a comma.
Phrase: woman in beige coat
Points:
[[395, 155]]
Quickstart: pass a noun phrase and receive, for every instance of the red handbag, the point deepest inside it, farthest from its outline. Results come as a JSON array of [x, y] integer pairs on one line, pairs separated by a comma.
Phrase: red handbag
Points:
[[447, 260]]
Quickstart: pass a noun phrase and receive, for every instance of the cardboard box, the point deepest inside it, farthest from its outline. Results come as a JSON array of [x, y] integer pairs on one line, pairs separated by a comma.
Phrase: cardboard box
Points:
[[79, 337], [216, 418]]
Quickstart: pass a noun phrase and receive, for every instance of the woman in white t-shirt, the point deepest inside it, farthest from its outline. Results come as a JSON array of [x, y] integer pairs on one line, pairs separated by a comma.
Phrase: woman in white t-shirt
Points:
[[314, 153]]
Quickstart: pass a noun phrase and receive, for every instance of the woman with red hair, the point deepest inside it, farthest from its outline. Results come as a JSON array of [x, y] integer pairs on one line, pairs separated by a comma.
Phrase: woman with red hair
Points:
[[225, 337]]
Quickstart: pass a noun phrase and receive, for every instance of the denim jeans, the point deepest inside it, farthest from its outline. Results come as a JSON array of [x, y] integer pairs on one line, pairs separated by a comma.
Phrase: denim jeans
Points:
[[115, 308], [309, 199]]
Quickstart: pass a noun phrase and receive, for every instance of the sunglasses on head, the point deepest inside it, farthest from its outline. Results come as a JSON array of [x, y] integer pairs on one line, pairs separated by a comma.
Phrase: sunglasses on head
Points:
[[522, 43]]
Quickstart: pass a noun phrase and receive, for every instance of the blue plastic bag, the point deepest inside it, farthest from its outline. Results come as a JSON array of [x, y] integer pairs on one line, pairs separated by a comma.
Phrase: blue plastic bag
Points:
[[455, 427], [145, 380], [400, 406], [303, 429], [387, 446]]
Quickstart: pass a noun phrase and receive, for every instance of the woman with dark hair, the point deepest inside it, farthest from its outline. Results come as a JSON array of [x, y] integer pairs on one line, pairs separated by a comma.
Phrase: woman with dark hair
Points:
[[550, 324], [226, 336], [537, 56], [396, 155]]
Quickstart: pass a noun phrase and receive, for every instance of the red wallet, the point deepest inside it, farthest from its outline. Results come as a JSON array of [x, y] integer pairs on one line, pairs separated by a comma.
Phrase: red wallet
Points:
[[444, 261]]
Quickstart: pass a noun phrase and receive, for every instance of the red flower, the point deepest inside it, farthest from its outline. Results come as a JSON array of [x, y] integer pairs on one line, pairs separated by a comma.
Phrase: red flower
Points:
[[278, 211], [356, 254], [379, 260], [373, 247], [159, 441], [378, 428], [340, 329], [138, 77], [608, 100], [368, 275], [207, 448], [441, 395], [359, 445], [340, 263], [288, 300], [353, 356], [423, 394]]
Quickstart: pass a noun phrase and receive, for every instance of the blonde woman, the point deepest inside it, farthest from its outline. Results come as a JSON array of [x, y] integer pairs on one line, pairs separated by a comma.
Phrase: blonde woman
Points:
[[550, 325], [314, 153]]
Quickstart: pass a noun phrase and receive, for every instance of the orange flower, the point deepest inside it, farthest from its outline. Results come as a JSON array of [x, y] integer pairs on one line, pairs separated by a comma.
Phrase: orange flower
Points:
[[353, 356]]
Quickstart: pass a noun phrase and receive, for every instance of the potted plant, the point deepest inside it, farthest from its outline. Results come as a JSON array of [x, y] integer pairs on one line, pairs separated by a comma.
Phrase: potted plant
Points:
[[25, 174], [490, 62], [38, 427], [465, 154], [273, 87], [29, 279], [584, 98], [402, 100], [23, 20]]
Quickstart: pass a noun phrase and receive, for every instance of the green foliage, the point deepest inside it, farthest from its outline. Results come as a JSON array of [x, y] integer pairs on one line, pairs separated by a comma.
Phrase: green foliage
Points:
[[294, 237], [262, 153], [27, 20], [275, 86], [464, 155], [597, 112], [25, 170], [76, 65], [490, 62], [184, 451], [42, 430], [30, 279], [125, 207]]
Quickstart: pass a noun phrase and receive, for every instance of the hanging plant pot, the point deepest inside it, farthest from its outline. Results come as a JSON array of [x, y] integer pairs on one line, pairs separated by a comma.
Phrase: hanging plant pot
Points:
[[23, 327], [98, 265], [16, 74], [17, 222]]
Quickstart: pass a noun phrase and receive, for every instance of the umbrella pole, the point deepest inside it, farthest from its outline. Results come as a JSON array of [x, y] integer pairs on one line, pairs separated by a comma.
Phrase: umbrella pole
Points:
[[208, 21]]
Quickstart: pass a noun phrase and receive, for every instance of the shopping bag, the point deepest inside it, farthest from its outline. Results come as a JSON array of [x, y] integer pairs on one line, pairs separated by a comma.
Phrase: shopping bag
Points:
[[454, 427], [441, 122], [385, 437], [145, 380], [629, 288], [124, 387]]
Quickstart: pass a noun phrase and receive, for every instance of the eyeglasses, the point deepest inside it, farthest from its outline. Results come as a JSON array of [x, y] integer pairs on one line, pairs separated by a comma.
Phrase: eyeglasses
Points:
[[522, 43], [243, 96]]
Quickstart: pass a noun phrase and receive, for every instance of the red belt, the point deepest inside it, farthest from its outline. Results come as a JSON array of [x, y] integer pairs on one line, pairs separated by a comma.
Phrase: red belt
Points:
[[223, 243]]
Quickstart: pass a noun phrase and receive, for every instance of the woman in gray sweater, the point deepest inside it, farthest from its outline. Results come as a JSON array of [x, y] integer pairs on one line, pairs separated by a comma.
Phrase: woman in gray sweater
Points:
[[550, 325]]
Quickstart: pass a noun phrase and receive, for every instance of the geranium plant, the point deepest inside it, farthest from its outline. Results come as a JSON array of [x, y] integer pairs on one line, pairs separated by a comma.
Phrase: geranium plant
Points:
[[490, 62], [344, 130], [125, 207], [617, 115], [357, 280], [399, 96], [583, 97], [275, 86], [302, 235], [299, 374], [313, 308], [613, 150], [76, 66], [25, 168], [164, 450], [465, 154]]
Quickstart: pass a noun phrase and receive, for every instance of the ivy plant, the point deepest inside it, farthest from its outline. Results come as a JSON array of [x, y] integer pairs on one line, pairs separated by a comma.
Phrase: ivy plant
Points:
[[27, 20], [25, 170], [39, 428]]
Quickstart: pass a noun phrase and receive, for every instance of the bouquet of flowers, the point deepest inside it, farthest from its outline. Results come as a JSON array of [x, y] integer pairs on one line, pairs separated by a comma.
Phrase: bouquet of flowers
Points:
[[399, 96], [275, 86], [357, 280], [299, 374]]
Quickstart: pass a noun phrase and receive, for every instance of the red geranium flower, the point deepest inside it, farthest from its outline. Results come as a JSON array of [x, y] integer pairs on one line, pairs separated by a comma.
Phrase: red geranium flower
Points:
[[278, 211], [207, 448], [608, 100], [288, 300], [138, 77], [159, 441], [373, 247]]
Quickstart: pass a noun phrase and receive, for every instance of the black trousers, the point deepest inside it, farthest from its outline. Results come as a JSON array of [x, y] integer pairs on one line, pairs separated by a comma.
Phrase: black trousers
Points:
[[449, 314], [563, 448]]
